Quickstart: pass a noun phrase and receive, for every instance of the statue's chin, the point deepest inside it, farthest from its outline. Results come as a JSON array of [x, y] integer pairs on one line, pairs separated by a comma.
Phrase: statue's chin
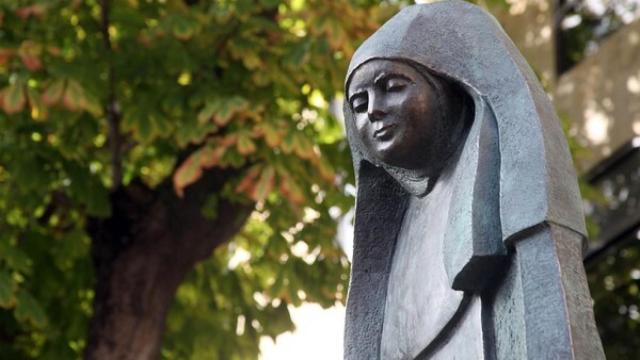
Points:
[[416, 168], [391, 154], [403, 154]]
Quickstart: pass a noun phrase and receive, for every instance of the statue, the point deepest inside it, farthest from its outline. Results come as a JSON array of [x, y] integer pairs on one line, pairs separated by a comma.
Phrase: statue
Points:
[[469, 232]]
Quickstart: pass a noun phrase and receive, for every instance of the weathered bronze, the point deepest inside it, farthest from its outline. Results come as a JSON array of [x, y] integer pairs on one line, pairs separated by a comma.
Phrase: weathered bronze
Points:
[[403, 116], [469, 231]]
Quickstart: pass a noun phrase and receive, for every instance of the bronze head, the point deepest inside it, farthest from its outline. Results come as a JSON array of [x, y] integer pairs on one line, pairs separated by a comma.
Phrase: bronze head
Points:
[[405, 116]]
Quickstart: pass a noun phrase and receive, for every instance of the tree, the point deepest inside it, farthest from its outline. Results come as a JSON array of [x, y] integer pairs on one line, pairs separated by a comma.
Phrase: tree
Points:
[[138, 138]]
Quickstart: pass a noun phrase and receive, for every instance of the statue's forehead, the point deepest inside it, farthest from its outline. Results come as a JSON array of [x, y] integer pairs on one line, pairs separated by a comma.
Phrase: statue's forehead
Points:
[[369, 71]]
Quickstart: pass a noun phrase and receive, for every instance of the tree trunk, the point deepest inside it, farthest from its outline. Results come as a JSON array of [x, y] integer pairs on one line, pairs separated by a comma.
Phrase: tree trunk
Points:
[[142, 253]]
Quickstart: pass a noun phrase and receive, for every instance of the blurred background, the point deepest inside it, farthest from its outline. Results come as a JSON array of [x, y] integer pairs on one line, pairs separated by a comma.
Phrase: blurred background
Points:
[[175, 183]]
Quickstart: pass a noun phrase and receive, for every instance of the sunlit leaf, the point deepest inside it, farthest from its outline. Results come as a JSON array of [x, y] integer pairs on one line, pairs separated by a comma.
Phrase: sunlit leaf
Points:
[[264, 184], [74, 97], [302, 146], [13, 98], [36, 10], [184, 28], [38, 110], [5, 56], [272, 135], [247, 183], [290, 189], [228, 107], [92, 105], [326, 171], [211, 157], [188, 173], [245, 145], [29, 52], [53, 93]]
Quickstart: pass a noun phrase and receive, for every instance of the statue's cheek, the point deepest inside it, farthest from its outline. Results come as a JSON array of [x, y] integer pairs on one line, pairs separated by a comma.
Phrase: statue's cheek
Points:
[[398, 101], [363, 128]]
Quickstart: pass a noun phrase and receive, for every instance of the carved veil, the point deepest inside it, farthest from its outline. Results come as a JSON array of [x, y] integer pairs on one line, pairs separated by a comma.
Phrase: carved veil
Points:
[[505, 181]]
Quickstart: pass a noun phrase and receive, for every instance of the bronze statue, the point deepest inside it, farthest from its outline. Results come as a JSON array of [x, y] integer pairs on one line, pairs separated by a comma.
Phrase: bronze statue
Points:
[[469, 231]]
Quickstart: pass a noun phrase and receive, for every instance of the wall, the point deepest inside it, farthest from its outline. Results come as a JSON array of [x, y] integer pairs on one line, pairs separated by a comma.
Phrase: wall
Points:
[[601, 95]]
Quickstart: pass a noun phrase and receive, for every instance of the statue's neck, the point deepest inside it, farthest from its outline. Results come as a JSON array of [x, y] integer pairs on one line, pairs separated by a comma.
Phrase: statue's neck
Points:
[[420, 185], [416, 184]]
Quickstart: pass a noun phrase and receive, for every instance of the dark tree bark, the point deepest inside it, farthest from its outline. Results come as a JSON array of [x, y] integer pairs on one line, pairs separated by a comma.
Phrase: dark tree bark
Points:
[[142, 253]]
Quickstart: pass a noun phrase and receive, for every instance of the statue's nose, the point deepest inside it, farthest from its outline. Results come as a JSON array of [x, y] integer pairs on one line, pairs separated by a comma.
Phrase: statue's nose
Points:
[[376, 109]]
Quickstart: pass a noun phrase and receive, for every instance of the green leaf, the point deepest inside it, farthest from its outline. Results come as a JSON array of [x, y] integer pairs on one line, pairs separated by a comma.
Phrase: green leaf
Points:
[[184, 28], [206, 114], [222, 109], [30, 170], [7, 289], [272, 135], [29, 53], [188, 172], [74, 97], [53, 93], [15, 258], [245, 145], [270, 3], [302, 146], [88, 190], [247, 52], [73, 246], [92, 105], [38, 110], [280, 321], [145, 128], [14, 98], [264, 184], [28, 310]]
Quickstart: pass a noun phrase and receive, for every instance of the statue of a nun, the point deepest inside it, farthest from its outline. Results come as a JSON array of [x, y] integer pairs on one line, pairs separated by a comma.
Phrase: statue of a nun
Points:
[[469, 232]]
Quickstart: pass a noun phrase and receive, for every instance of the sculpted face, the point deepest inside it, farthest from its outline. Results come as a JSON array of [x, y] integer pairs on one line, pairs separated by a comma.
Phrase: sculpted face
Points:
[[399, 116]]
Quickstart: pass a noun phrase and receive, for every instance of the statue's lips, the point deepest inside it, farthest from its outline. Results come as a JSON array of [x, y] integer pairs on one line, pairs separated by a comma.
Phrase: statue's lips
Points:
[[385, 132]]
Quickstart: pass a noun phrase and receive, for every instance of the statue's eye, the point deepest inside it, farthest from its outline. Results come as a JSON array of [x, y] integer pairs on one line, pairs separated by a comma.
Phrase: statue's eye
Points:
[[359, 104], [396, 84]]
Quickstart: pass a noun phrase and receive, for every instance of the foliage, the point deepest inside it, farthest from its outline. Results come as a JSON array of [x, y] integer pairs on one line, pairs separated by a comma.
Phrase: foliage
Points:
[[583, 24], [237, 84], [615, 282]]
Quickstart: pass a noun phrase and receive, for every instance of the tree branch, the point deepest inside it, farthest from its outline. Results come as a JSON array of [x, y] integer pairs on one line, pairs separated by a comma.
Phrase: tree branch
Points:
[[112, 108]]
